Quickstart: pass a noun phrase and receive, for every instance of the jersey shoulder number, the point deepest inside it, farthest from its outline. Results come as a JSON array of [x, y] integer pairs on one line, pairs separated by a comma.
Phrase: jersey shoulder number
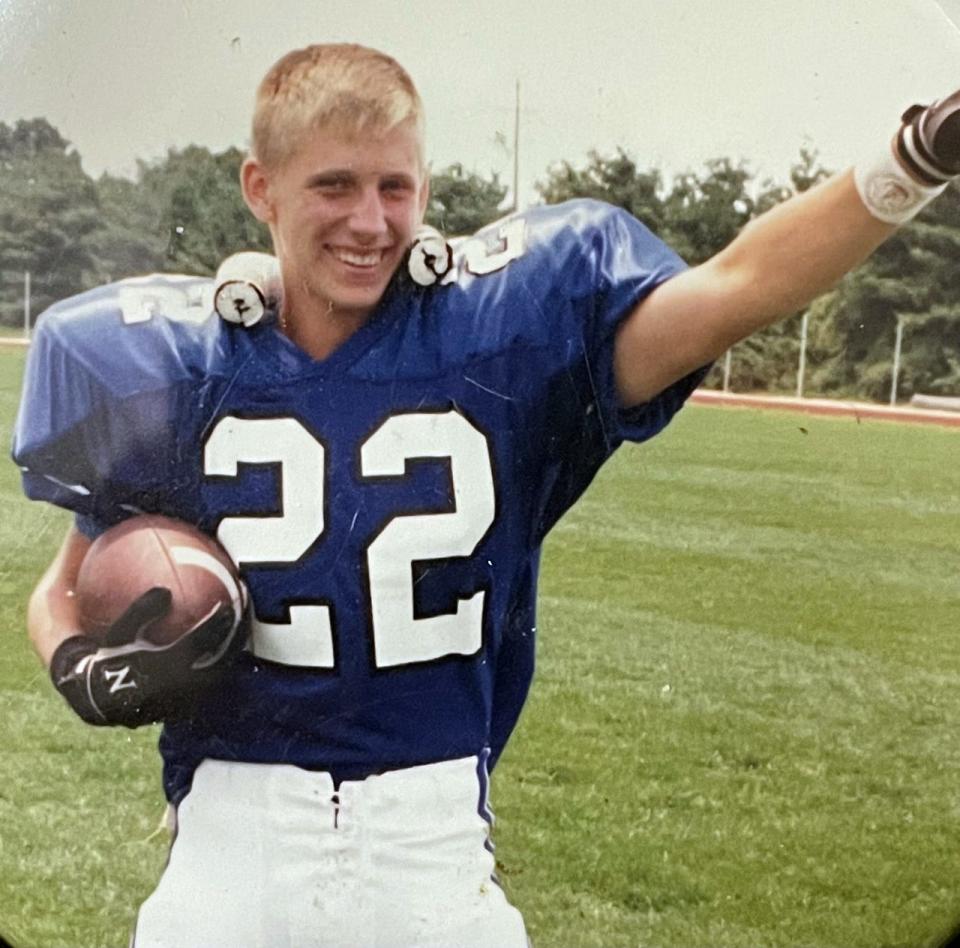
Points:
[[490, 249]]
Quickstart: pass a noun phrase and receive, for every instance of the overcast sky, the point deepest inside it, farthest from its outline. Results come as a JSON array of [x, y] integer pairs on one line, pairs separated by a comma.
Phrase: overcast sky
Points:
[[675, 82]]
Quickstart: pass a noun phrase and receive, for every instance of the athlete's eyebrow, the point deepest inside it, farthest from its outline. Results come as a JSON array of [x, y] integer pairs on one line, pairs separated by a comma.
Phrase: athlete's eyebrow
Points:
[[337, 176], [334, 176], [399, 177]]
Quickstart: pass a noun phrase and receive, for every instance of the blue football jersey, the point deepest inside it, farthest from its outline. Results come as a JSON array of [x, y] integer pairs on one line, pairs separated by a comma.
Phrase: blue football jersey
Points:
[[386, 505]]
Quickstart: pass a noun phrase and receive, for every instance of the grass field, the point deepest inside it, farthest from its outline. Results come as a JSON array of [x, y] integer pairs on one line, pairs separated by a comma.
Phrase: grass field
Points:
[[744, 729]]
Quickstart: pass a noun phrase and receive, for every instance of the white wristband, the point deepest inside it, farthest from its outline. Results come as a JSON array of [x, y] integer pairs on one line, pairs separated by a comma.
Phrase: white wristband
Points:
[[888, 192]]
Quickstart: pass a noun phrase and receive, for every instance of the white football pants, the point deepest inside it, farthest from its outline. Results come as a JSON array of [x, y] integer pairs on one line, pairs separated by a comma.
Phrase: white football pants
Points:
[[268, 856]]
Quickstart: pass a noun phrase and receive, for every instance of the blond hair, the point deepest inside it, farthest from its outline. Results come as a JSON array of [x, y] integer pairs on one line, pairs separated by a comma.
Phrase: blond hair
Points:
[[344, 87]]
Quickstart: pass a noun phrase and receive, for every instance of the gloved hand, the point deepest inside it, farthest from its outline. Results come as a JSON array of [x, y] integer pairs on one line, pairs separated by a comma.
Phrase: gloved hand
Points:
[[928, 143], [131, 681]]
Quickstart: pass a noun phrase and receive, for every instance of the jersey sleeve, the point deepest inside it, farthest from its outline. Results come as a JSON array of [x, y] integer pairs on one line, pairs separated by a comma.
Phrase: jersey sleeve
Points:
[[603, 262], [108, 384], [618, 263], [630, 264]]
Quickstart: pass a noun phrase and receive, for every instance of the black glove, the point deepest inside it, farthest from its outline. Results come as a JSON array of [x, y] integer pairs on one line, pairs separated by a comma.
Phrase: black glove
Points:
[[928, 143], [129, 680]]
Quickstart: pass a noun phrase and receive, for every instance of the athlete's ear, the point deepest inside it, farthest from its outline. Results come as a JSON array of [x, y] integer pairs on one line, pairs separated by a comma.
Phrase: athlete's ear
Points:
[[255, 183]]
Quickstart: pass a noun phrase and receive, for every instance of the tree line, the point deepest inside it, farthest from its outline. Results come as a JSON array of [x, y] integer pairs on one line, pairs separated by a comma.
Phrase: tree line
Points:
[[183, 213]]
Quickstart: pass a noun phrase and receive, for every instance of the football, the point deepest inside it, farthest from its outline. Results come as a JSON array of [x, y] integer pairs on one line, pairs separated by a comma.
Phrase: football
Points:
[[147, 551]]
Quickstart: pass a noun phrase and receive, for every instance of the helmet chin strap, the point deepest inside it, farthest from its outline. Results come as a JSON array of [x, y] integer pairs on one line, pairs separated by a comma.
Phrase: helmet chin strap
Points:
[[430, 258], [248, 284]]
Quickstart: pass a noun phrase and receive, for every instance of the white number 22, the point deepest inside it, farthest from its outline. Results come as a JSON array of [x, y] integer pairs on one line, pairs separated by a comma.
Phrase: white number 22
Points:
[[399, 637]]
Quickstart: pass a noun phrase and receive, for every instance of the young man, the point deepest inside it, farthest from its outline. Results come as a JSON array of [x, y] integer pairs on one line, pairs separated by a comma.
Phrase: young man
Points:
[[383, 460]]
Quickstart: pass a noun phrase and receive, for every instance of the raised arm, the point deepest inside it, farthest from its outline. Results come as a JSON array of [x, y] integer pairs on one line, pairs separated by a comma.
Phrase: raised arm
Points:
[[787, 257]]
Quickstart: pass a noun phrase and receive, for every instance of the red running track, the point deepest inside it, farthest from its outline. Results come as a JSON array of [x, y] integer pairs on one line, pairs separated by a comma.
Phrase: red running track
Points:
[[823, 406]]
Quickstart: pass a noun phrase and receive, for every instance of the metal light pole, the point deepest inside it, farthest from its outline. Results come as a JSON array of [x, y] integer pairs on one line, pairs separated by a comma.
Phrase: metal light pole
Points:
[[802, 367], [26, 304], [897, 346], [516, 151]]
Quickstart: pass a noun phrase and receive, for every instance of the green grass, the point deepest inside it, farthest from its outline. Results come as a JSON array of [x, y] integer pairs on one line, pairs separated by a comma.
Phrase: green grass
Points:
[[77, 804], [744, 727], [743, 730]]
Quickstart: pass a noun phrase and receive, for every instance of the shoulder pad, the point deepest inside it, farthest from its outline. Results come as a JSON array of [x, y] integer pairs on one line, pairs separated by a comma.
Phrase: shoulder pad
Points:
[[135, 332]]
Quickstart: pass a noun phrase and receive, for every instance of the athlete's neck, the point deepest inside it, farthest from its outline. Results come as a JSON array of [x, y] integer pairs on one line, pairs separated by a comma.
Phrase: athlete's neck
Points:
[[320, 329]]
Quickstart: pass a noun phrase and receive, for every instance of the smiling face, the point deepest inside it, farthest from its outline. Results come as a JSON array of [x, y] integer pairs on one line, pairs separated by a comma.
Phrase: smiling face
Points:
[[342, 211]]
